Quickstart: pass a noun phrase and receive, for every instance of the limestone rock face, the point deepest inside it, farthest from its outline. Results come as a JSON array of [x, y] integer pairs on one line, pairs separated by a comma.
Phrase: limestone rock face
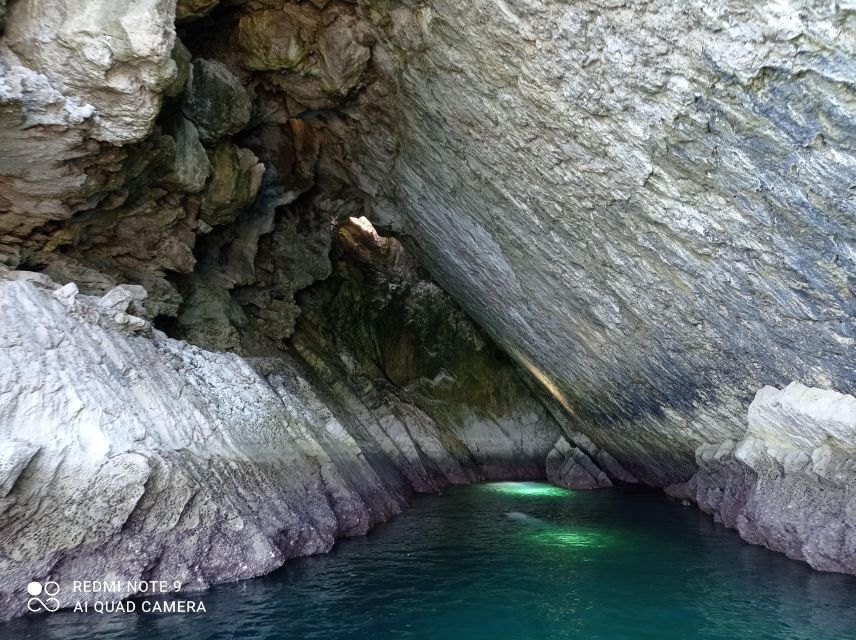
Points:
[[121, 74], [648, 205], [62, 91], [790, 482], [125, 453], [343, 55]]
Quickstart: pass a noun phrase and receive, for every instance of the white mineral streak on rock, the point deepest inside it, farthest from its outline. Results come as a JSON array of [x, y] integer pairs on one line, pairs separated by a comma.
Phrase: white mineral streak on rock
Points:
[[790, 482]]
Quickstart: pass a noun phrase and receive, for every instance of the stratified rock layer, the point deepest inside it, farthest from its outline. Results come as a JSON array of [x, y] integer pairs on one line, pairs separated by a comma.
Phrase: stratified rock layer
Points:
[[579, 464], [648, 205], [128, 455], [790, 482]]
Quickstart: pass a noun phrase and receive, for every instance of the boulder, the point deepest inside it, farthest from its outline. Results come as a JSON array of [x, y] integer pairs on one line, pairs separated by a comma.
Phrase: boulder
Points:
[[216, 101], [124, 298], [271, 41], [236, 175], [191, 167], [788, 483]]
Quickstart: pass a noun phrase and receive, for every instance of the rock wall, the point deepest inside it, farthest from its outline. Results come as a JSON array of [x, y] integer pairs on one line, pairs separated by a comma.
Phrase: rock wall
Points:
[[380, 333], [648, 208], [126, 455], [790, 482], [649, 205]]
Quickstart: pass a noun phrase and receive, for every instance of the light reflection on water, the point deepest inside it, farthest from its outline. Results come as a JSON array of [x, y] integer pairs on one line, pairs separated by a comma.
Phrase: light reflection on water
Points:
[[514, 561]]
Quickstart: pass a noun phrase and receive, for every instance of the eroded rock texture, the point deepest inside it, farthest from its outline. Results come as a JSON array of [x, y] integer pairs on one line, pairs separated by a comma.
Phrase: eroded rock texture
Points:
[[125, 454], [644, 210], [381, 334], [648, 205], [579, 464], [790, 482]]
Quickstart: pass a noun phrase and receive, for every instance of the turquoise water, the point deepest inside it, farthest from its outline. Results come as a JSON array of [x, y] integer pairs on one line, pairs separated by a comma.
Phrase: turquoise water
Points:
[[513, 561]]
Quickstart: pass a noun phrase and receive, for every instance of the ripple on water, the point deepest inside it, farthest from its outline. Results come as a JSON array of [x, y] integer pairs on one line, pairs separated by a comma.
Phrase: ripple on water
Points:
[[514, 561]]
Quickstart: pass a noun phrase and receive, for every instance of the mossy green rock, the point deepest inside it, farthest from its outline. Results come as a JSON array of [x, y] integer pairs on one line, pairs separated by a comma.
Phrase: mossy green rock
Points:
[[191, 9], [270, 41], [191, 167], [235, 180]]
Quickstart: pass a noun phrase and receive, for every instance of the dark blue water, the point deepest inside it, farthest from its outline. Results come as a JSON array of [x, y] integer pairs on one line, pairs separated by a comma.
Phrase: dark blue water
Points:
[[514, 561]]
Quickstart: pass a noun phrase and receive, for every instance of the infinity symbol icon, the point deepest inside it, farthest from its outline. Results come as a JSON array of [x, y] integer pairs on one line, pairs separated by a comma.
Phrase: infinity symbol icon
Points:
[[36, 604]]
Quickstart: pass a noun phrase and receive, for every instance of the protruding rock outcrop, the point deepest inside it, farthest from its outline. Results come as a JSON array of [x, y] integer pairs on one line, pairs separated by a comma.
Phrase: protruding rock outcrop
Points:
[[790, 482], [568, 466], [579, 464], [125, 453]]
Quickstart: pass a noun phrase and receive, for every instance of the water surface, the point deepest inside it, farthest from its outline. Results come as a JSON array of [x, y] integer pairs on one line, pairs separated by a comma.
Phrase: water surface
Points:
[[513, 561]]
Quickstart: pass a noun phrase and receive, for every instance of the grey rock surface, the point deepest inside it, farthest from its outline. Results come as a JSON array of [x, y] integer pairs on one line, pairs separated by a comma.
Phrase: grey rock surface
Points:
[[217, 103], [129, 455], [648, 205], [191, 166], [568, 466], [236, 175], [790, 482], [120, 74]]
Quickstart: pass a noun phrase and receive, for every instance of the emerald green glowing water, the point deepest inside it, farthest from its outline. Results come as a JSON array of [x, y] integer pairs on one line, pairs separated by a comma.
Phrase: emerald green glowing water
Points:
[[514, 561]]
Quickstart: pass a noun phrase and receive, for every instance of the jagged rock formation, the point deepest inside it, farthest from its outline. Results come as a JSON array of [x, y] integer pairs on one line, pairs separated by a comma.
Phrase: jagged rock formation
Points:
[[790, 482], [647, 207], [579, 464], [127, 454]]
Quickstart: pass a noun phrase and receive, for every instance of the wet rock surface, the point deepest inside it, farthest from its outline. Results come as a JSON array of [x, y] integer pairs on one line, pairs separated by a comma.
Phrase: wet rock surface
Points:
[[789, 482]]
